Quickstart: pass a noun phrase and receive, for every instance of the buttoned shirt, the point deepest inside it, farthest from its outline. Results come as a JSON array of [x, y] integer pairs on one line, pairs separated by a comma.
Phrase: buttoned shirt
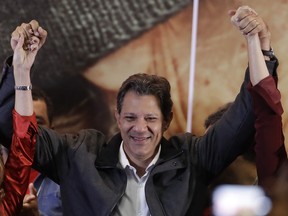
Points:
[[133, 201]]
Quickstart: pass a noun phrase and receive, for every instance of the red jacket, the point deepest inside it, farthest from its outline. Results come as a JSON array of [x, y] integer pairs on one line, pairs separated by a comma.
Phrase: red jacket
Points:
[[269, 138]]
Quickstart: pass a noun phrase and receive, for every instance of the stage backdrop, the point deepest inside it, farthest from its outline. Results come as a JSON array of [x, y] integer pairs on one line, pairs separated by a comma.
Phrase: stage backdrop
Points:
[[94, 45]]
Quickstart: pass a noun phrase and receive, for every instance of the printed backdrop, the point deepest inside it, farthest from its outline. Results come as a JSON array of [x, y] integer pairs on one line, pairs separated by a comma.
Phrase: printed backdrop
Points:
[[94, 45]]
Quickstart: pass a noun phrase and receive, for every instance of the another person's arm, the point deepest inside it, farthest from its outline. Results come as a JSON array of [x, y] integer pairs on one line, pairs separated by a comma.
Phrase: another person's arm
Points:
[[18, 165], [22, 150], [232, 134], [269, 139], [7, 83]]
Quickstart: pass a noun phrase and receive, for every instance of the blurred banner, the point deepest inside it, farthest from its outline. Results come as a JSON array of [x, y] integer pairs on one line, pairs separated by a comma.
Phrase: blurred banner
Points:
[[94, 45]]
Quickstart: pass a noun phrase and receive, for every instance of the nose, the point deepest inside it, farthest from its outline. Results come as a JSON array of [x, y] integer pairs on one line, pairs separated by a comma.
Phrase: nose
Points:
[[140, 125]]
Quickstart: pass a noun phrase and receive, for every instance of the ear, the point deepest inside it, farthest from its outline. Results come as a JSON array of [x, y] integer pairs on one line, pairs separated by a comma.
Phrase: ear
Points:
[[167, 123], [117, 116]]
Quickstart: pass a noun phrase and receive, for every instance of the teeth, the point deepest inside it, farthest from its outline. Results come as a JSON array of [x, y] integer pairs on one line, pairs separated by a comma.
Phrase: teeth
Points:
[[139, 138]]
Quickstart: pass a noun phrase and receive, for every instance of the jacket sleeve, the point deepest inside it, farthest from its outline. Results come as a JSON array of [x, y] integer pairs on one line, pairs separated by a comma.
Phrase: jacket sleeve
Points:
[[20, 159], [269, 139], [232, 134], [7, 100]]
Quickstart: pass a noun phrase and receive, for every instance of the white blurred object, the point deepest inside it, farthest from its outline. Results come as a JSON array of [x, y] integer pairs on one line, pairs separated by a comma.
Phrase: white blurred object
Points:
[[240, 200]]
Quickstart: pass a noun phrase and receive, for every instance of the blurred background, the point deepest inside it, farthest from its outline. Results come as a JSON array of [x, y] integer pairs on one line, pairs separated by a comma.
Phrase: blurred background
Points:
[[94, 45]]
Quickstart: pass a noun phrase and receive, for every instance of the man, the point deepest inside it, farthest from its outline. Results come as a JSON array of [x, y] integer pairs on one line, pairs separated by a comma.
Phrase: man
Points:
[[138, 171], [44, 199]]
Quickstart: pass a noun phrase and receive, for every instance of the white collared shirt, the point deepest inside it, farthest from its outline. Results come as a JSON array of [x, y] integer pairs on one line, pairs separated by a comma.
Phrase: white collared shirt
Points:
[[133, 202]]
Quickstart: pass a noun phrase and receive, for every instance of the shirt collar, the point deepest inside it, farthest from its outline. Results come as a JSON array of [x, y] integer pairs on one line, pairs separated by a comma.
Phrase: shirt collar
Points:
[[125, 162]]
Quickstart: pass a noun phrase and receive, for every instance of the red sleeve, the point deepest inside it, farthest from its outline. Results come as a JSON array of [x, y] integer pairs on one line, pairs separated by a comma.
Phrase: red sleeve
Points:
[[269, 139], [17, 167]]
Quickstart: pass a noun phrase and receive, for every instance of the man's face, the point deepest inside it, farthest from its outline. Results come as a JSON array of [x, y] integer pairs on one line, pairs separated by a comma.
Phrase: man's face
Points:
[[40, 109], [141, 126]]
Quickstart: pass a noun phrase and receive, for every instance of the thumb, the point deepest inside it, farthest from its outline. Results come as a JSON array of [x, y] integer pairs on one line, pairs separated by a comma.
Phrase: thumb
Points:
[[32, 194], [231, 13], [32, 189]]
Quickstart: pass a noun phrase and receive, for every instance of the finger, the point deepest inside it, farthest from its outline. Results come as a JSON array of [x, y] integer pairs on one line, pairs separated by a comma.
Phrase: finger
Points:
[[25, 27], [29, 205], [15, 34], [33, 43], [34, 47], [252, 25], [34, 26], [43, 35], [32, 189], [34, 40], [29, 198], [256, 30], [243, 23], [25, 198], [231, 13], [20, 42], [243, 12], [253, 28], [14, 38]]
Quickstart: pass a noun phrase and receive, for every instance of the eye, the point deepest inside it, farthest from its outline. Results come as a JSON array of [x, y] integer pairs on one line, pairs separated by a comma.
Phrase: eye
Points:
[[130, 118], [151, 119]]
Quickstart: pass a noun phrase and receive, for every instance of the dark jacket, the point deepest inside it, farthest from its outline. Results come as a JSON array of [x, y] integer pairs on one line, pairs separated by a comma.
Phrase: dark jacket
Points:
[[7, 101]]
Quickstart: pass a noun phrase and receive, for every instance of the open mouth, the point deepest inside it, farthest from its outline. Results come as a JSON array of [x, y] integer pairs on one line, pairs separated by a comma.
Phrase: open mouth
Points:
[[139, 139]]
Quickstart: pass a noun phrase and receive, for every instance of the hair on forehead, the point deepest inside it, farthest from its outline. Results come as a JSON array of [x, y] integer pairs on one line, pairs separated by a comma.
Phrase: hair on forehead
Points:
[[148, 84]]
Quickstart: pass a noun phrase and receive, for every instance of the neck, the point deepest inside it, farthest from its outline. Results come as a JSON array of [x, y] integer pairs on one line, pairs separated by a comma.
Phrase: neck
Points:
[[140, 171]]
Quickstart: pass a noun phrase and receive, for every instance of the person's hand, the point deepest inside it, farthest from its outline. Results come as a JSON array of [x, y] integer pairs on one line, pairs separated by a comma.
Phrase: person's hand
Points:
[[30, 203], [26, 40], [30, 30], [250, 23]]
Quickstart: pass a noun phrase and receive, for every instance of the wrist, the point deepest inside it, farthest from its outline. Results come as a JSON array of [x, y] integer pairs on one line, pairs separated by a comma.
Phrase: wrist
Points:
[[22, 80], [22, 76]]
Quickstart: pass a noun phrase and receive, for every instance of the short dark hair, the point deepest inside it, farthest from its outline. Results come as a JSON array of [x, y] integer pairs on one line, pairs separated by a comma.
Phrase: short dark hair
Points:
[[145, 84], [214, 117], [38, 94]]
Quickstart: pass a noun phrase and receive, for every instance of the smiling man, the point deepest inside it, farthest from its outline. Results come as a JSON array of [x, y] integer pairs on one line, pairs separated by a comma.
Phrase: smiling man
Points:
[[143, 118]]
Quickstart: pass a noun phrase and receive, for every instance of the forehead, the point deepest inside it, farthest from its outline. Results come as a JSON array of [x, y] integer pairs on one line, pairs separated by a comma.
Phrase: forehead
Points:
[[134, 102]]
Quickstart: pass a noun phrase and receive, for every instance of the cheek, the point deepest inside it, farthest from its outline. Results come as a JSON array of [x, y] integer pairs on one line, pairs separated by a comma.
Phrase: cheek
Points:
[[125, 126], [157, 129]]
